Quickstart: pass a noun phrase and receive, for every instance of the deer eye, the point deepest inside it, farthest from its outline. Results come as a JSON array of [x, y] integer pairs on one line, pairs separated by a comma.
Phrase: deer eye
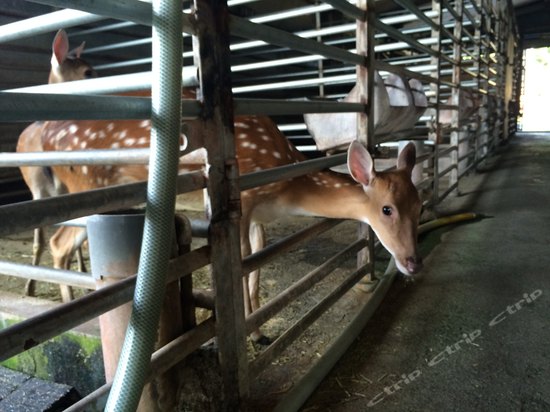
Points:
[[387, 210]]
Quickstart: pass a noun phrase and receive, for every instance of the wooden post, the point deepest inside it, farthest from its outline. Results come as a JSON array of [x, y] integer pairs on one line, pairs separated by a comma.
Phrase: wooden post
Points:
[[223, 189]]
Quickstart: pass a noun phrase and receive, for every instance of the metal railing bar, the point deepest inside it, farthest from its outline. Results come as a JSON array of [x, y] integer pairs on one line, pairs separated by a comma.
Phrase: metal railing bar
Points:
[[448, 191], [263, 177], [409, 5], [30, 214], [45, 23], [313, 82], [451, 10], [161, 360], [290, 335], [112, 84], [280, 107], [76, 157], [41, 273], [447, 151], [20, 107], [396, 34], [446, 171], [137, 12], [244, 28], [270, 252], [464, 157], [31, 332], [348, 9], [278, 303], [381, 65]]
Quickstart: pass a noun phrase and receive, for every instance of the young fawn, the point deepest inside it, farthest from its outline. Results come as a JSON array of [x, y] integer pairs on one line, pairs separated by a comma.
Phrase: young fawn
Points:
[[65, 66]]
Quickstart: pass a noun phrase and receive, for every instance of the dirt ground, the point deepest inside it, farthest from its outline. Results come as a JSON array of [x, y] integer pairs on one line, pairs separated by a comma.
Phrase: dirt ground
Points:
[[18, 248]]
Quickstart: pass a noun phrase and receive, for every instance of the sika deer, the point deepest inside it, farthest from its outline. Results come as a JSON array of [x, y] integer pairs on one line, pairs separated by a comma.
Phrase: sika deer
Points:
[[65, 66], [388, 201]]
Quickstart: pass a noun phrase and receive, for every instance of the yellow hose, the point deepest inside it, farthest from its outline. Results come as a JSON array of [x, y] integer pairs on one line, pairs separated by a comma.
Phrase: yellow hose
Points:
[[447, 220]]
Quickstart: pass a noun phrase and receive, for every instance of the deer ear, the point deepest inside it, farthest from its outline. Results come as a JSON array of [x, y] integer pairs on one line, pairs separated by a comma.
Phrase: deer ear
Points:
[[360, 163], [407, 158], [76, 52], [60, 48]]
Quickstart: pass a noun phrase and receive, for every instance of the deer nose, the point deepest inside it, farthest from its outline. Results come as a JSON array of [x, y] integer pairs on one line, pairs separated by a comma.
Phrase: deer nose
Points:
[[414, 264]]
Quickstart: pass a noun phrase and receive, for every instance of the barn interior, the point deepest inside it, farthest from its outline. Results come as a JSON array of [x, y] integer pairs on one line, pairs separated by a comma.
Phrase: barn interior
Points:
[[341, 328]]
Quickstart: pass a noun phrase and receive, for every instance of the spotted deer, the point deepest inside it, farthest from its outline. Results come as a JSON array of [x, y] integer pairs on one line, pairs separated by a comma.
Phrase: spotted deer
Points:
[[65, 66], [387, 201]]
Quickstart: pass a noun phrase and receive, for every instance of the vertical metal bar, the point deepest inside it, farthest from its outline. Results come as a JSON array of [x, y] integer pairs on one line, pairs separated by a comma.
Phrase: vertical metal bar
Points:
[[320, 63], [436, 88], [224, 192], [159, 214], [484, 70], [477, 65], [456, 93], [365, 121], [501, 70]]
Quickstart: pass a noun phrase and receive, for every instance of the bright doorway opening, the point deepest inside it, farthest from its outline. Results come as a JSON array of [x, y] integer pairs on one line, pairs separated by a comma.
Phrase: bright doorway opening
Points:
[[535, 99]]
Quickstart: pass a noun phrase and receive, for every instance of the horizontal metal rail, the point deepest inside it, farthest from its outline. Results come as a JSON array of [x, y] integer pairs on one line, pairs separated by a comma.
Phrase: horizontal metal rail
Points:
[[446, 171], [31, 332], [76, 157], [348, 9], [245, 28], [45, 23], [292, 333], [396, 34], [279, 302], [161, 360], [28, 215], [19, 107], [280, 107], [263, 177], [134, 11], [260, 258], [112, 84], [409, 5], [59, 276]]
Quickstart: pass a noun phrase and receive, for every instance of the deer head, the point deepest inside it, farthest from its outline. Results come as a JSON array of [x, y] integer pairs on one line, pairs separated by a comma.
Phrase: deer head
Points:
[[67, 65], [393, 207]]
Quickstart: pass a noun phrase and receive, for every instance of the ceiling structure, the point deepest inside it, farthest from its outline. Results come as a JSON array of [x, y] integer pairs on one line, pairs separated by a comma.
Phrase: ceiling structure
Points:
[[533, 18]]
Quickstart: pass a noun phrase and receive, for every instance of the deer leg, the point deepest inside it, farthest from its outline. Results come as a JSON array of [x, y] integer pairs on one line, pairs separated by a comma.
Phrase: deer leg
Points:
[[63, 245], [80, 260], [37, 250], [257, 242], [245, 251], [256, 237]]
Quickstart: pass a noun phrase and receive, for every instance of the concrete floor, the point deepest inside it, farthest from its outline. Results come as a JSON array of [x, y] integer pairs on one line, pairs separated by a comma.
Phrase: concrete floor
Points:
[[472, 333]]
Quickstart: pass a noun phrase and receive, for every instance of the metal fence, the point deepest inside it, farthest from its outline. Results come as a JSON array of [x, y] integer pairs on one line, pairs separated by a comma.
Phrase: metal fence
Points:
[[464, 54]]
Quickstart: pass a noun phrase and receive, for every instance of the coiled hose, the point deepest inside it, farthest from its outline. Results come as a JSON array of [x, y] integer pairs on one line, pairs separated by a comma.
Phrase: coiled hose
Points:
[[159, 214]]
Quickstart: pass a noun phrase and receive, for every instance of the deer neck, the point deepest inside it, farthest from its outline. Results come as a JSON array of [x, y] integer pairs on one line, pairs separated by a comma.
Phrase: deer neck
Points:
[[327, 194]]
